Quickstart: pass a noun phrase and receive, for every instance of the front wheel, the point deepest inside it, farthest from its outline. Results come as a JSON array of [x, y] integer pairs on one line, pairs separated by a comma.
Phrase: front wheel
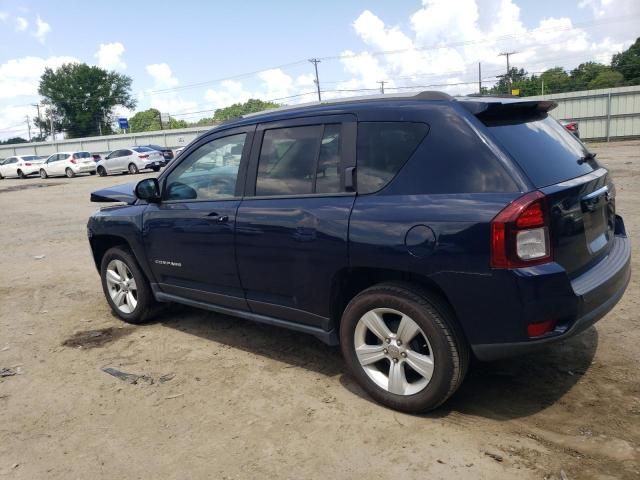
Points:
[[21, 174], [125, 286], [402, 346], [69, 173], [43, 173], [102, 172], [133, 168], [156, 169]]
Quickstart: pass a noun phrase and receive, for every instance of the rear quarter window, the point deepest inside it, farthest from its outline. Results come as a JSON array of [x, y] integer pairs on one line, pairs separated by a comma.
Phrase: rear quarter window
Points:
[[543, 149]]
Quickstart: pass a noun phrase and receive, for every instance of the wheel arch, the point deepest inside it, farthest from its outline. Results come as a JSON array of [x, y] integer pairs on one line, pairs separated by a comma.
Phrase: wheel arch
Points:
[[349, 282], [101, 243]]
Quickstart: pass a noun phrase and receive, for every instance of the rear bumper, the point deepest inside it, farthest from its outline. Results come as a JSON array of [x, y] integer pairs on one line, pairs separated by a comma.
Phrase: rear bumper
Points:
[[593, 295]]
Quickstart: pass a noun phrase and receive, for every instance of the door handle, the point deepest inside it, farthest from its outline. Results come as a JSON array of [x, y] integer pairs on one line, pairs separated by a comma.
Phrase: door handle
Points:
[[218, 218]]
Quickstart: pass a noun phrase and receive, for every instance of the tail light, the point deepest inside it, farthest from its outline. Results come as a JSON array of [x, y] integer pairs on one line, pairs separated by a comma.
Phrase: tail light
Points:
[[27, 164], [73, 160], [520, 233], [143, 156], [540, 328], [571, 127]]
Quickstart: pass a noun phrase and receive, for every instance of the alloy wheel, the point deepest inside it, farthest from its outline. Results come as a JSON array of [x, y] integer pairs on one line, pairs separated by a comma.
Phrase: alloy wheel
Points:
[[122, 286], [393, 351]]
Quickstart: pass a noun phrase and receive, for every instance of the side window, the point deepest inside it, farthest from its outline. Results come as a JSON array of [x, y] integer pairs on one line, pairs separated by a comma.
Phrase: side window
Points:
[[383, 148], [209, 172], [299, 160]]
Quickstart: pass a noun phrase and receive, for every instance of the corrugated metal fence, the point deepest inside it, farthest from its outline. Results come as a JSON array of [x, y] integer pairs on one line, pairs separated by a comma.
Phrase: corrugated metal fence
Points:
[[607, 114]]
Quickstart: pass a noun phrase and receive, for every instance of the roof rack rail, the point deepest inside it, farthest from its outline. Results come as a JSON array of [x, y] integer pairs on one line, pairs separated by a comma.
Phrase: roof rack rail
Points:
[[426, 95]]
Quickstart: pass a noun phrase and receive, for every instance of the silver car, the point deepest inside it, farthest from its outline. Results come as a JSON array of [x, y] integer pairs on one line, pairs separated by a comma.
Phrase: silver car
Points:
[[130, 160]]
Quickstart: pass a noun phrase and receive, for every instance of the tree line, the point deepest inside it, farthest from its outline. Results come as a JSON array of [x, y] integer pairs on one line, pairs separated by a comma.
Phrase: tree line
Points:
[[79, 99]]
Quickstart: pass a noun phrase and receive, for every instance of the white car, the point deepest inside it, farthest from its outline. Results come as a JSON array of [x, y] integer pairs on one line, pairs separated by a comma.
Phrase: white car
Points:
[[21, 166], [130, 160], [69, 164]]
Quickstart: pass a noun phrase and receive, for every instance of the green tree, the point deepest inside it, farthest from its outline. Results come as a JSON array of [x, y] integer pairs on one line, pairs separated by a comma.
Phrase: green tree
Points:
[[238, 109], [13, 140], [607, 79], [585, 73], [145, 121], [173, 123], [556, 80], [627, 63], [82, 97]]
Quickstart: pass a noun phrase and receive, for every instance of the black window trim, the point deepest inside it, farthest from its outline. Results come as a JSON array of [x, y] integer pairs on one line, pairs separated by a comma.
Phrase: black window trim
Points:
[[348, 123], [207, 138]]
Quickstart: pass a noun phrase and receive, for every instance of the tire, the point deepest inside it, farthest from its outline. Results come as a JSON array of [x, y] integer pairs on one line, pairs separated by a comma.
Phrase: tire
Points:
[[436, 347], [156, 169], [69, 173], [43, 174], [21, 174], [133, 169], [102, 172], [92, 173], [144, 305]]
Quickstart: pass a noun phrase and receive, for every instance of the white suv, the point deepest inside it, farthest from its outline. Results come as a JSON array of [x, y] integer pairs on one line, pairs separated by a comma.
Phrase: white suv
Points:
[[130, 160], [69, 164], [20, 166]]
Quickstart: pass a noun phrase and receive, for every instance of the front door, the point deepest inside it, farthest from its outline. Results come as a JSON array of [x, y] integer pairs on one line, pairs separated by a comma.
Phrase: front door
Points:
[[189, 235], [292, 227]]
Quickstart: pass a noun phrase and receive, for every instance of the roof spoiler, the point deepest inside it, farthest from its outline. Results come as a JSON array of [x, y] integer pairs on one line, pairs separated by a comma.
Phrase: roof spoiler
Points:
[[494, 110]]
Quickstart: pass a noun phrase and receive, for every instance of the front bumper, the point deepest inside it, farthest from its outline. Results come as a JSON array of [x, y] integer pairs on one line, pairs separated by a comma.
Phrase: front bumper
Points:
[[594, 293]]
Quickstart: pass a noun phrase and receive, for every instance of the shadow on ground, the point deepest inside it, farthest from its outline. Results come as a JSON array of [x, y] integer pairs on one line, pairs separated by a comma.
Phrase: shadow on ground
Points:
[[501, 390]]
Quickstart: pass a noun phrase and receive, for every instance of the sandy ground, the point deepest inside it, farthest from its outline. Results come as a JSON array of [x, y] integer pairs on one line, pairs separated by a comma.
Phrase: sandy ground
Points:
[[225, 398]]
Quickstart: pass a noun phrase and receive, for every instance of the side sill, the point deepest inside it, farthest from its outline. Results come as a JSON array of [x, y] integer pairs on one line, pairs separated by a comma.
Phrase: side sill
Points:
[[329, 337]]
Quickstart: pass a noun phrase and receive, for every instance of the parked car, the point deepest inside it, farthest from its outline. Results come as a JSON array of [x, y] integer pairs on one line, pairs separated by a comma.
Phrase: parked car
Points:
[[20, 166], [571, 126], [130, 160], [167, 153], [67, 164], [414, 231], [96, 157]]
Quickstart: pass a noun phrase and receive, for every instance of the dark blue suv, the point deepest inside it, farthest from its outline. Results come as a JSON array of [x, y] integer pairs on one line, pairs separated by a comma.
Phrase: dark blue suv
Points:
[[412, 230]]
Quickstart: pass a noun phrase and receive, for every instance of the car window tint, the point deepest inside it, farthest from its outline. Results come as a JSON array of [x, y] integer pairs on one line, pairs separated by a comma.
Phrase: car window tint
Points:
[[287, 160], [383, 148], [543, 148], [328, 171], [209, 172], [81, 155], [143, 149]]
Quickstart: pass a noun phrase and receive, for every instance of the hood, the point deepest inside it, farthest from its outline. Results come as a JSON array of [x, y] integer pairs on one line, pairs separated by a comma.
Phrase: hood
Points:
[[119, 193]]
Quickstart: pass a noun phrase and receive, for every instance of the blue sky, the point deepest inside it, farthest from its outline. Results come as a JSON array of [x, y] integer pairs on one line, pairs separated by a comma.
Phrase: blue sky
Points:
[[171, 45]]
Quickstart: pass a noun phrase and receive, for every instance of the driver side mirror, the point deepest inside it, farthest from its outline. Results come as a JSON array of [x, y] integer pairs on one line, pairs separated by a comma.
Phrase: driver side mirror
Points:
[[148, 190]]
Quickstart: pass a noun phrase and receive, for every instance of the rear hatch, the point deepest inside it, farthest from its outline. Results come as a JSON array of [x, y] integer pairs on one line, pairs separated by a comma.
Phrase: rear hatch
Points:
[[579, 192]]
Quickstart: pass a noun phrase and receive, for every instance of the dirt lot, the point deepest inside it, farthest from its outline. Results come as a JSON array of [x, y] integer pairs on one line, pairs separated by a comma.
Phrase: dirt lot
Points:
[[216, 397]]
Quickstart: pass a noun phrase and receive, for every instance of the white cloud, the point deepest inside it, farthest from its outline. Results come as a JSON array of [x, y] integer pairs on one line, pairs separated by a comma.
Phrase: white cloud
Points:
[[169, 101], [21, 76], [42, 29], [21, 24], [3, 16], [109, 56]]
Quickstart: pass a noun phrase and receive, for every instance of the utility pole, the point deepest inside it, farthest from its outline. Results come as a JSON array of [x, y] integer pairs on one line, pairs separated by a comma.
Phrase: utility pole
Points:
[[543, 87], [37, 105], [506, 54], [315, 62], [479, 78], [28, 126], [53, 133], [382, 82]]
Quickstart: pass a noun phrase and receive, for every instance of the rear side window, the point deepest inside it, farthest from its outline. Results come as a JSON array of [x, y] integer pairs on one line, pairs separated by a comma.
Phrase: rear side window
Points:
[[300, 160], [542, 147], [143, 149], [383, 148]]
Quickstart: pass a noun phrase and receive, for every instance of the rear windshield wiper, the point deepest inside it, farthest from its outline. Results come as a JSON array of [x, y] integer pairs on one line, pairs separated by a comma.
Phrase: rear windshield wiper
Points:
[[586, 158]]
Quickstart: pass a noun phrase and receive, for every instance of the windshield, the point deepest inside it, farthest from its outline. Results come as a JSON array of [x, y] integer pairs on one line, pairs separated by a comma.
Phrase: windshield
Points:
[[31, 157], [143, 149], [543, 148]]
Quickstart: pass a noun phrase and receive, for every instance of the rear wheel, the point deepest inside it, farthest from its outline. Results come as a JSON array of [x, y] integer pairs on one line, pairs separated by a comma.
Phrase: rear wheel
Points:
[[132, 168], [402, 346], [102, 172], [21, 174], [43, 173], [125, 286], [69, 173]]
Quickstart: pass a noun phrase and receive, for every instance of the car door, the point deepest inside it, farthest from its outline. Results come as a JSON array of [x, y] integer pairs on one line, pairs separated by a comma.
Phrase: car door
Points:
[[124, 159], [189, 235], [116, 162], [7, 168], [291, 233], [60, 164], [51, 164]]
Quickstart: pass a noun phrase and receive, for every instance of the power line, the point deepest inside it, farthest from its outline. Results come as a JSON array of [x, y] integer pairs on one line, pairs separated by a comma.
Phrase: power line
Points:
[[315, 62]]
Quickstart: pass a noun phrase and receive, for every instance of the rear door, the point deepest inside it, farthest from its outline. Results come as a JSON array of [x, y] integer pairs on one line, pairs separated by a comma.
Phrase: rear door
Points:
[[189, 236], [580, 192], [291, 233]]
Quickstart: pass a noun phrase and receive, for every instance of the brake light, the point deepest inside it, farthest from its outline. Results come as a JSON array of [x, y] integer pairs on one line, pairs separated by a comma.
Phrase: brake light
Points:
[[27, 164], [571, 126], [143, 156], [520, 233], [73, 160], [540, 328]]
